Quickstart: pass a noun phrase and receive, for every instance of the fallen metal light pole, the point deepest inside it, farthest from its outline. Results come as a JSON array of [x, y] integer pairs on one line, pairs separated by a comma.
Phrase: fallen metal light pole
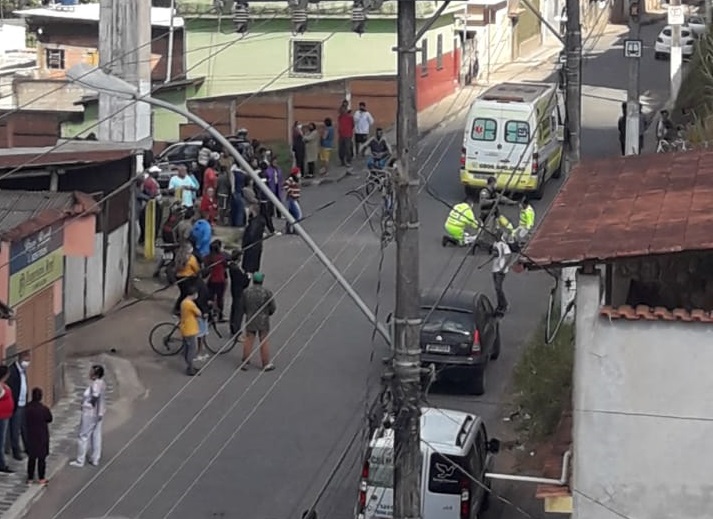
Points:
[[562, 481], [96, 79]]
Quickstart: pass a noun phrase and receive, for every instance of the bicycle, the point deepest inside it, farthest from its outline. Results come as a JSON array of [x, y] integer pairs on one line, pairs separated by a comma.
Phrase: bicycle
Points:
[[665, 146], [166, 340]]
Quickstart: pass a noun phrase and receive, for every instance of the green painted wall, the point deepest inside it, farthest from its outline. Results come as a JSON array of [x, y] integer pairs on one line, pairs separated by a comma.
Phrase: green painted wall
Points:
[[165, 123], [261, 59]]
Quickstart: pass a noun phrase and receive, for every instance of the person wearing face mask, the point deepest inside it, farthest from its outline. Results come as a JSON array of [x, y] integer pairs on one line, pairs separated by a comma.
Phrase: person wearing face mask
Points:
[[18, 384], [90, 425]]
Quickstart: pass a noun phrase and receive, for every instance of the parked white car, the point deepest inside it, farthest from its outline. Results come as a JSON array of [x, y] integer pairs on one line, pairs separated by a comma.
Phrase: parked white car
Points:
[[697, 24], [662, 47]]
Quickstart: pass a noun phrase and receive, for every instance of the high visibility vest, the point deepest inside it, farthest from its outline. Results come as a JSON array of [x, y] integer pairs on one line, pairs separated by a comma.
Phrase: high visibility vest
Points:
[[461, 216], [505, 224], [527, 218]]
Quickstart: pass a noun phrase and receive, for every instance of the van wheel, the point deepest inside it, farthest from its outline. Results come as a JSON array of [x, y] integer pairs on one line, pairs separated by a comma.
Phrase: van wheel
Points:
[[477, 383], [540, 191], [485, 504], [558, 172], [471, 192]]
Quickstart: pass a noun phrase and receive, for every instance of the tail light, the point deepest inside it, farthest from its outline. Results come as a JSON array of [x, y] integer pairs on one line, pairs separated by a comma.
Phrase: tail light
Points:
[[362, 487], [475, 348], [464, 498], [462, 157], [535, 163]]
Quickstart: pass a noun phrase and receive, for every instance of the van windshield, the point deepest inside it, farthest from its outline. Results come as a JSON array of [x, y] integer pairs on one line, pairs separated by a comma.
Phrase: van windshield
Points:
[[445, 474], [517, 132], [381, 468]]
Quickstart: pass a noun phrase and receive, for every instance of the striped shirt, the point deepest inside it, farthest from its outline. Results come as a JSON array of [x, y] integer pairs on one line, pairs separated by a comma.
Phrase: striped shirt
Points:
[[292, 188]]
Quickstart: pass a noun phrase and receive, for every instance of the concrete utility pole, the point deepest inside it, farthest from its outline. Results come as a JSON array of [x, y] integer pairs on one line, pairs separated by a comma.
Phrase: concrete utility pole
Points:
[[633, 108], [124, 25], [573, 122], [407, 322], [676, 51]]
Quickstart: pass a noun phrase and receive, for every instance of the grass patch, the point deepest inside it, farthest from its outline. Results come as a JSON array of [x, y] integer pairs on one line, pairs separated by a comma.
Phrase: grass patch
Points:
[[543, 381]]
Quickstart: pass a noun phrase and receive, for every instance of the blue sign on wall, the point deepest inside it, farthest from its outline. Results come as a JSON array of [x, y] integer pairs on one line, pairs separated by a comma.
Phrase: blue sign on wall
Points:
[[35, 247]]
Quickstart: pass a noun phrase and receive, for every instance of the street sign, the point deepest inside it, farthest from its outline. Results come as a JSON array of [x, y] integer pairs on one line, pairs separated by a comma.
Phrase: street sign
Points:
[[675, 15], [632, 48]]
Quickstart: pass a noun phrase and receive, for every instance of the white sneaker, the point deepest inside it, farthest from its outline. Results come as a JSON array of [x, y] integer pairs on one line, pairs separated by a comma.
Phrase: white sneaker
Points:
[[76, 464]]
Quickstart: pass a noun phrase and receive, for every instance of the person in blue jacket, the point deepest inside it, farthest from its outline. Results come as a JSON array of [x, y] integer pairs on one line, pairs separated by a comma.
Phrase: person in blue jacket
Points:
[[202, 235]]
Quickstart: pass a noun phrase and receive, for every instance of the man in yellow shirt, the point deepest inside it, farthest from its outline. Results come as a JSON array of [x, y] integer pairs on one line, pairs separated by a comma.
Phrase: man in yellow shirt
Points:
[[190, 328], [187, 270], [459, 219]]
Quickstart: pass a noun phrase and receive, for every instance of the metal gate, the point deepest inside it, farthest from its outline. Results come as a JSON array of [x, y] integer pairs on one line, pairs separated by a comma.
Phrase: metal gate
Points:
[[35, 328]]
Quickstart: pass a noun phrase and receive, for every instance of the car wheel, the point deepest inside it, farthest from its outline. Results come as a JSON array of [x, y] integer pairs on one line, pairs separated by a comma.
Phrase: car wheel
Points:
[[477, 383], [496, 345], [485, 504]]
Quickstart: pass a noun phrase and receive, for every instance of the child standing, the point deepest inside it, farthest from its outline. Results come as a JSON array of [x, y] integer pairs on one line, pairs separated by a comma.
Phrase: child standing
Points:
[[292, 192], [37, 420]]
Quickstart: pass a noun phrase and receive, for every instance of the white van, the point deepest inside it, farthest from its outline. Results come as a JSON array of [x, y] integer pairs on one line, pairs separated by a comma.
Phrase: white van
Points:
[[515, 133], [450, 441]]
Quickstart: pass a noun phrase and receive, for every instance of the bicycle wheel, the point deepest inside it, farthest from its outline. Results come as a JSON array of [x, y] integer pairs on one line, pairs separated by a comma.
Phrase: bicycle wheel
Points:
[[165, 339], [224, 342]]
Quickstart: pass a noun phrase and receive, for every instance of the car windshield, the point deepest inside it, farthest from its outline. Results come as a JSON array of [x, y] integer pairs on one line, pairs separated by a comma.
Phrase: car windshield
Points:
[[696, 20], [381, 468], [447, 321], [666, 32]]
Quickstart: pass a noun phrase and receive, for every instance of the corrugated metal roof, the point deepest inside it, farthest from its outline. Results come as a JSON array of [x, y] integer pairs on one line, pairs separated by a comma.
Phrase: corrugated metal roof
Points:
[[68, 153], [626, 207], [24, 212]]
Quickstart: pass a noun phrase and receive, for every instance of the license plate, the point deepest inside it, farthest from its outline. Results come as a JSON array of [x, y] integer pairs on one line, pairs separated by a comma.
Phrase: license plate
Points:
[[438, 348], [168, 255]]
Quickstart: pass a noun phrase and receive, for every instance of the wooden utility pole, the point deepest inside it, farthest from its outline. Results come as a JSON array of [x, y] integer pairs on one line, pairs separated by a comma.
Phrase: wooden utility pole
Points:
[[573, 100], [407, 323]]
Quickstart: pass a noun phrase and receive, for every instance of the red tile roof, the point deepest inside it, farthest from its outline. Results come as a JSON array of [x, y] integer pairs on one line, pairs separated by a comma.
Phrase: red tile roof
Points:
[[646, 313], [561, 443], [628, 206]]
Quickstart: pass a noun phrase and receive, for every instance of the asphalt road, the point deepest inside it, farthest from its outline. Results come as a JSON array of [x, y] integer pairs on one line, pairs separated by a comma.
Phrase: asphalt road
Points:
[[260, 446]]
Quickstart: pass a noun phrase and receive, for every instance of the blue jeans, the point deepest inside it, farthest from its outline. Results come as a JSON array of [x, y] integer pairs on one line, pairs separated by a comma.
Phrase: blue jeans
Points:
[[237, 210], [373, 163], [293, 206]]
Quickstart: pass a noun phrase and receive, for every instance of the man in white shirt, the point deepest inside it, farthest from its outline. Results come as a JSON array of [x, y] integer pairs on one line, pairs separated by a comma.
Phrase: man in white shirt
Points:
[[17, 381], [186, 185], [362, 126], [500, 267]]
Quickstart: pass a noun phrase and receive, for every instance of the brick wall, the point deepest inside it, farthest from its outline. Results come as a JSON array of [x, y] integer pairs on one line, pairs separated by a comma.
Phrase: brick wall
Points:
[[30, 129], [270, 115]]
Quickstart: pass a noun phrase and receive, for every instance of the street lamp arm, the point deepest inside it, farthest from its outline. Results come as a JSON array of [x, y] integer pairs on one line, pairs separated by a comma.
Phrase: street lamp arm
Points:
[[225, 143]]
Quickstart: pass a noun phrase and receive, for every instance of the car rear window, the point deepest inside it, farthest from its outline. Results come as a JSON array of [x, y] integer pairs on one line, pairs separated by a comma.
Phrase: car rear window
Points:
[[484, 129], [517, 132], [685, 34], [447, 321], [381, 468], [667, 32], [444, 475]]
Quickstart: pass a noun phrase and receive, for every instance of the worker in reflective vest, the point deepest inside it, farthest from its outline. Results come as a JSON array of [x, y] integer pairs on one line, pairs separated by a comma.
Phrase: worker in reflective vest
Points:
[[459, 219], [506, 228], [527, 220]]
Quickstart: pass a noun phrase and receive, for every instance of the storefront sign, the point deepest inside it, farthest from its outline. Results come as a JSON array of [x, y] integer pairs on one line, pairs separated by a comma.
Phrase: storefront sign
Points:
[[36, 277], [35, 247]]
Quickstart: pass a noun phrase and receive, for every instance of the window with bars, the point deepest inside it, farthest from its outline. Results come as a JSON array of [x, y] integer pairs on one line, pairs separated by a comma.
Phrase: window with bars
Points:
[[439, 52], [424, 57], [307, 57], [54, 59]]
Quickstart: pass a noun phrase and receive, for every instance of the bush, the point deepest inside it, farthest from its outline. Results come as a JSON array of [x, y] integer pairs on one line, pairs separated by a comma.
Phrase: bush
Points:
[[283, 151], [696, 93], [543, 380]]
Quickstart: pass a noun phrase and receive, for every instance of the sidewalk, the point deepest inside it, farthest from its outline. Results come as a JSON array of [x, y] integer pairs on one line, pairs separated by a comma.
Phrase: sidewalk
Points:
[[16, 496], [436, 116]]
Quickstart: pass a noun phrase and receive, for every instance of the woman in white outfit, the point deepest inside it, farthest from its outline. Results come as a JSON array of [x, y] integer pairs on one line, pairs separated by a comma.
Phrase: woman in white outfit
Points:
[[90, 426]]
